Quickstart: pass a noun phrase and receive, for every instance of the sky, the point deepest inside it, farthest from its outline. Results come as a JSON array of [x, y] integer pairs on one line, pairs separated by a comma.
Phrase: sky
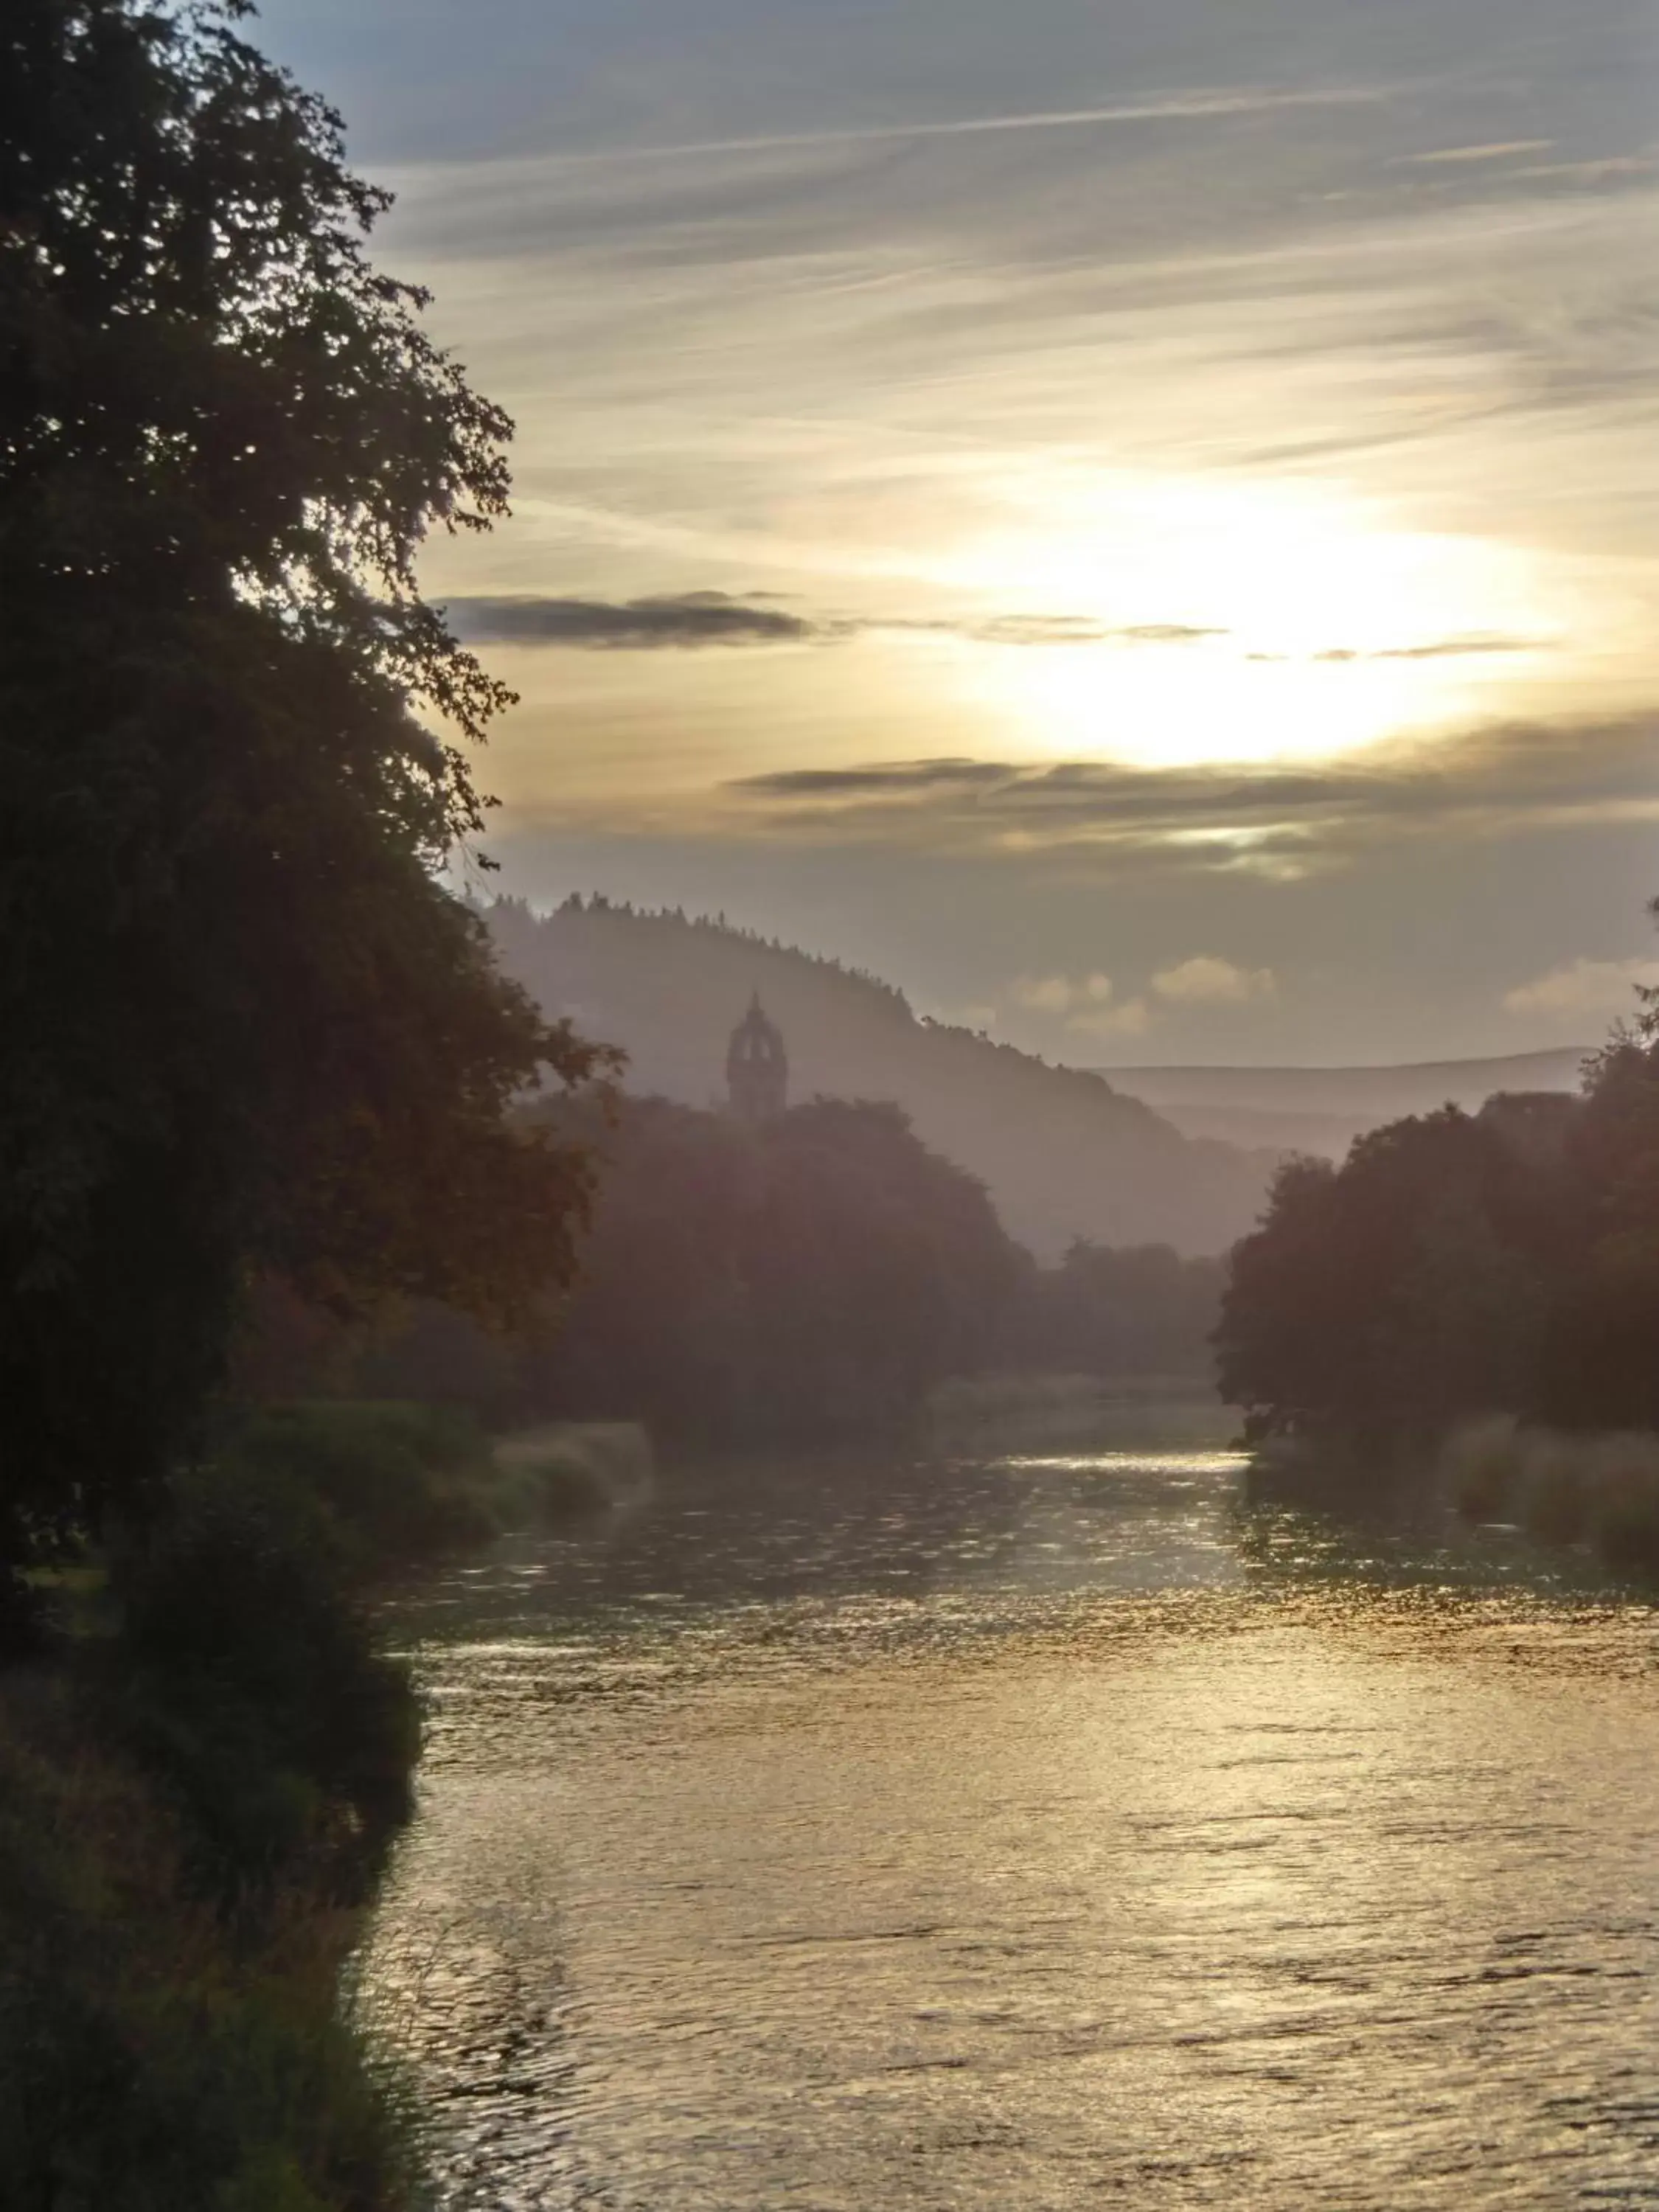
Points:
[[1136, 521]]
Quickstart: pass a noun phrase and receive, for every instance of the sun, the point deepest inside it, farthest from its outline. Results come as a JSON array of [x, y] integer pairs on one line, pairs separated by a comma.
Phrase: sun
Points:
[[1249, 622]]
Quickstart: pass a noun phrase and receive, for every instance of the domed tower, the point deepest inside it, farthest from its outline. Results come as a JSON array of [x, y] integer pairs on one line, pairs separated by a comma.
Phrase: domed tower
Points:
[[756, 1067]]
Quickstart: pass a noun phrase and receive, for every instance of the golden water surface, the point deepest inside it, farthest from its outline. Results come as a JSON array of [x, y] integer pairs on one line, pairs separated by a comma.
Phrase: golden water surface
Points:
[[1030, 1832]]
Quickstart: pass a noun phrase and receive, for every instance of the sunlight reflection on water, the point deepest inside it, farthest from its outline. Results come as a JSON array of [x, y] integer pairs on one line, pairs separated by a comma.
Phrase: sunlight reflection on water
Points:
[[1024, 1833]]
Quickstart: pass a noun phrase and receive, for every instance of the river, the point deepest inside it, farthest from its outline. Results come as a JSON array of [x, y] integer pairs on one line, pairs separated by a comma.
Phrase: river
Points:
[[1049, 1831]]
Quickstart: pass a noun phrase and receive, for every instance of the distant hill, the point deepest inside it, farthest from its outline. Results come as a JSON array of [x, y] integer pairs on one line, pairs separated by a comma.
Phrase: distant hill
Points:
[[1062, 1152], [1323, 1110]]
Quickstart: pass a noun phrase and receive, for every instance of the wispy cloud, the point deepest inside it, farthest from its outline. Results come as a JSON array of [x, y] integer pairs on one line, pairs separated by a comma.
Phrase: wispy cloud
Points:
[[1074, 629], [1582, 991], [1457, 157], [1440, 648], [1216, 104], [1606, 169]]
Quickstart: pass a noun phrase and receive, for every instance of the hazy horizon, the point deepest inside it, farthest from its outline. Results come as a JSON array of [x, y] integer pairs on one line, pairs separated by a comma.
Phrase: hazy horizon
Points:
[[1139, 524]]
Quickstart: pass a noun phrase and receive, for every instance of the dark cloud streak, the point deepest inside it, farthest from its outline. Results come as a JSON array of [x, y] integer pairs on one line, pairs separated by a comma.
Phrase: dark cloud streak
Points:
[[685, 620], [1496, 781], [690, 621], [677, 623]]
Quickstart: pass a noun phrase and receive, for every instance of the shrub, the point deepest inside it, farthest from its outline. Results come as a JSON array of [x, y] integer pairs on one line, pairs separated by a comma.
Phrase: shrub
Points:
[[1557, 1486], [399, 1482], [1480, 1465], [1602, 1489], [148, 2063], [246, 1675], [1626, 1518]]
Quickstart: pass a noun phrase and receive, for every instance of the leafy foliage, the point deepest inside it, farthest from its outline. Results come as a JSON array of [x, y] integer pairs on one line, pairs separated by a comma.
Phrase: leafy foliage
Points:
[[1459, 1266], [810, 1280], [246, 1026], [1399, 1294], [247, 1679]]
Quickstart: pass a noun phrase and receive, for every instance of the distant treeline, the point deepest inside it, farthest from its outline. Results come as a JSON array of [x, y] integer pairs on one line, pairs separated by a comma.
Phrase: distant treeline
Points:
[[1458, 1266], [809, 1280], [517, 923]]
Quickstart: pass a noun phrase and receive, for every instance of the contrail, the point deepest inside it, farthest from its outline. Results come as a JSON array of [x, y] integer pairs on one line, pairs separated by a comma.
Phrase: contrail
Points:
[[1177, 107]]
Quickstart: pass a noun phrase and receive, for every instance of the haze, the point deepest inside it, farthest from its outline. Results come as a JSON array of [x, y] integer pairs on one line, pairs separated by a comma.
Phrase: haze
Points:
[[1136, 522]]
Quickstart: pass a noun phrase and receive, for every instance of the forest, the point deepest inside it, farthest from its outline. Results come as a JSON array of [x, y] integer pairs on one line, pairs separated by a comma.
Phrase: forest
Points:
[[809, 1281], [1460, 1272]]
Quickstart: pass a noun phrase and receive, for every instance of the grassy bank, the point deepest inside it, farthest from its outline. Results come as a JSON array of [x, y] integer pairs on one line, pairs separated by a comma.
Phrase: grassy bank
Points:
[[1594, 1492], [205, 1759], [1598, 1493]]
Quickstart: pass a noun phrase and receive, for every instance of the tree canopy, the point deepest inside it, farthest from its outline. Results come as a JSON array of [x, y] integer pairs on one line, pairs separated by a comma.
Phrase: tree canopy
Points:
[[805, 1281], [1458, 1265], [809, 1280], [247, 1027]]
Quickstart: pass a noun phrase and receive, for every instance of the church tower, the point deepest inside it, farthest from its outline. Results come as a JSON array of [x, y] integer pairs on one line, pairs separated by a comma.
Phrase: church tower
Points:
[[756, 1069]]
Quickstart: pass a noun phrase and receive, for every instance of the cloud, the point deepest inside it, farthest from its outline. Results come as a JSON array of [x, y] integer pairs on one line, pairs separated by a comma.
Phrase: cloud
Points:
[[1583, 989], [1071, 630], [1134, 1018], [685, 620], [1447, 156], [1051, 994], [1439, 648], [1442, 648], [1090, 1004], [891, 778], [675, 621], [1221, 105], [1205, 980], [1274, 820], [1059, 994], [1610, 169]]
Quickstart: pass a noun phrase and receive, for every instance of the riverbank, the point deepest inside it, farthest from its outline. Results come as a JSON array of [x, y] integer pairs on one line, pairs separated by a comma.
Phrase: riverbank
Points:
[[205, 1757], [1598, 1494], [1594, 1495]]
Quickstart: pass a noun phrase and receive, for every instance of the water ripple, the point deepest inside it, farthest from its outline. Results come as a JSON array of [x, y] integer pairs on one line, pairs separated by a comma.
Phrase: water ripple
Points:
[[1034, 1832]]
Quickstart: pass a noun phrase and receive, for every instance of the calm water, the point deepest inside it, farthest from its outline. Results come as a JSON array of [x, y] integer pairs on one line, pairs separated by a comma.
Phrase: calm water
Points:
[[1027, 1833]]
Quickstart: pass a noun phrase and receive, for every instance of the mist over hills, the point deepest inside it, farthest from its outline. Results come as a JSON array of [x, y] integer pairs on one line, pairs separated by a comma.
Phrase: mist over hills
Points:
[[1063, 1152], [1323, 1110]]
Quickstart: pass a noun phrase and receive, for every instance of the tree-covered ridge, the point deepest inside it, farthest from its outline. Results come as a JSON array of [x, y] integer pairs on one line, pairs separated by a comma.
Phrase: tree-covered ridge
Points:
[[515, 920], [1062, 1153]]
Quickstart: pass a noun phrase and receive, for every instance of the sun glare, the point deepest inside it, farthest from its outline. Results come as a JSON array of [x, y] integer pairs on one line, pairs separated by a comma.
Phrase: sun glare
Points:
[[1247, 622]]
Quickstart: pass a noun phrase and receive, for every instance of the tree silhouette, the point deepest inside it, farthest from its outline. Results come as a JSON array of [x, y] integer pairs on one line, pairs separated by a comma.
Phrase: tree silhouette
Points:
[[246, 1026]]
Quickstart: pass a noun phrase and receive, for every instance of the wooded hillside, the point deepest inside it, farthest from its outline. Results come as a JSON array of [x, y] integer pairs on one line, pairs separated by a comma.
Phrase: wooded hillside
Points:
[[1063, 1154]]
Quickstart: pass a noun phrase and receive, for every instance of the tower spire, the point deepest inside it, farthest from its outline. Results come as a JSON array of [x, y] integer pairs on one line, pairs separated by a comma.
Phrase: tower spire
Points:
[[756, 1066]]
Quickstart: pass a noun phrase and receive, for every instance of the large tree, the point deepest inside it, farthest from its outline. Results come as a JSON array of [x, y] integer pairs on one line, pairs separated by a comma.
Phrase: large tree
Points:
[[246, 1027], [1381, 1302]]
